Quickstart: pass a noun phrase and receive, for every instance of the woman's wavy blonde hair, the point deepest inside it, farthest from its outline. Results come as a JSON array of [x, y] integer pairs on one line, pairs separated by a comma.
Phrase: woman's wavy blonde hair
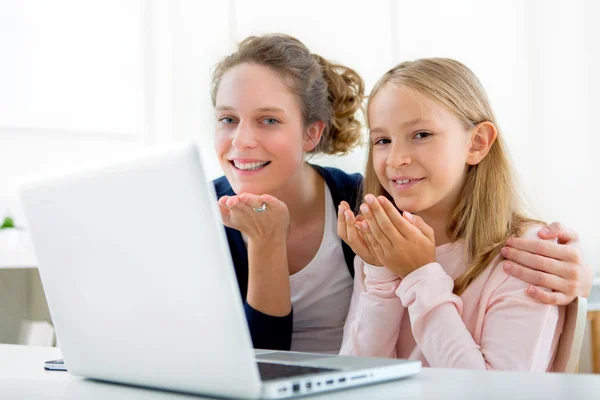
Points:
[[327, 92], [489, 209]]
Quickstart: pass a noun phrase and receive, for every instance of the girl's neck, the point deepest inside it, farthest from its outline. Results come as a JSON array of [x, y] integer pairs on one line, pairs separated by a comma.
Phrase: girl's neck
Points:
[[437, 218], [302, 194], [439, 225]]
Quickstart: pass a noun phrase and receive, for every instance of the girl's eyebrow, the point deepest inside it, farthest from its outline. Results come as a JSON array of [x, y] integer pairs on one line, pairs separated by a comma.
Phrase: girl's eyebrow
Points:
[[376, 130], [413, 122], [404, 125]]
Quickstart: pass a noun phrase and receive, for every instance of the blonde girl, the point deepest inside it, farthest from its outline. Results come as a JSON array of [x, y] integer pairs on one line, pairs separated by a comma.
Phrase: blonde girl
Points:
[[431, 282]]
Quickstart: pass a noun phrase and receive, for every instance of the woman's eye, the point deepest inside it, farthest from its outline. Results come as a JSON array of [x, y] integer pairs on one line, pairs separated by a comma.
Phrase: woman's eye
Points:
[[270, 121], [227, 120], [382, 141], [422, 135]]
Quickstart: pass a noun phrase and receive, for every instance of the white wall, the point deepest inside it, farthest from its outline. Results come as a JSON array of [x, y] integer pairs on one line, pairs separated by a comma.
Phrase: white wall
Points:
[[72, 80], [91, 80]]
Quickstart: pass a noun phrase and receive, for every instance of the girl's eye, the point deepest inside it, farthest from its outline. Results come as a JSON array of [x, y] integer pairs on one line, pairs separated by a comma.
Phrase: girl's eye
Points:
[[422, 135], [382, 141], [270, 121], [227, 120]]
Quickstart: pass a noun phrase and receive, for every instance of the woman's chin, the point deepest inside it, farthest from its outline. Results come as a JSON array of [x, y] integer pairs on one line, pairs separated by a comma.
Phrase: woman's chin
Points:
[[257, 188], [252, 189]]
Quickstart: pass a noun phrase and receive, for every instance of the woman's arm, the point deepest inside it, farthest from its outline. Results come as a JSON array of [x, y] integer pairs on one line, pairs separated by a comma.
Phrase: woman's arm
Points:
[[268, 277], [554, 265], [268, 304]]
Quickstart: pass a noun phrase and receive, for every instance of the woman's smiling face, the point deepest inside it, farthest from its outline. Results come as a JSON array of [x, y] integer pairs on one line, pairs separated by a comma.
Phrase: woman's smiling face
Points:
[[260, 134]]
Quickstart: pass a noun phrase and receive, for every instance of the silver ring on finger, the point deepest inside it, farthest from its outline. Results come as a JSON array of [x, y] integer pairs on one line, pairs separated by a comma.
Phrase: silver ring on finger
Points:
[[262, 208]]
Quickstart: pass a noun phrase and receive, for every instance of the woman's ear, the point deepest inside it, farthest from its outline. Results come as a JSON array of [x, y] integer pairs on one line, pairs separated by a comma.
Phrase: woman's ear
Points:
[[481, 140], [313, 135]]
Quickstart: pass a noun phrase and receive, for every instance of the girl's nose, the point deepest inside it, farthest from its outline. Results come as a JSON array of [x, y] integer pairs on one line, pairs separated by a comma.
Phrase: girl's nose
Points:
[[398, 158]]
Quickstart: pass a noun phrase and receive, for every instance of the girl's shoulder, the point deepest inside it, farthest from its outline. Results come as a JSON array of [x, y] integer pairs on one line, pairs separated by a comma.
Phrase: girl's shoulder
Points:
[[500, 282]]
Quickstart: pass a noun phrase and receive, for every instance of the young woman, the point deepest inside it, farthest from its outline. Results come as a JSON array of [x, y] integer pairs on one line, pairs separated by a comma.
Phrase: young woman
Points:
[[275, 103]]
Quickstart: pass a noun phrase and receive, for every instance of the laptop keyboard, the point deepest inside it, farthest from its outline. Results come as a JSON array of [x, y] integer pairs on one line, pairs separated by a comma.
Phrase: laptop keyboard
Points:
[[270, 371]]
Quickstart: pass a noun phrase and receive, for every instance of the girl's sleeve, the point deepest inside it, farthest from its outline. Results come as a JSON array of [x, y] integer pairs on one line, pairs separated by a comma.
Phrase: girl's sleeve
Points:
[[373, 321], [519, 333]]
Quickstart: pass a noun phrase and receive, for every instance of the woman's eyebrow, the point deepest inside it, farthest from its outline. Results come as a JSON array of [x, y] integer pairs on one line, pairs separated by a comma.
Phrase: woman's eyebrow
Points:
[[270, 109]]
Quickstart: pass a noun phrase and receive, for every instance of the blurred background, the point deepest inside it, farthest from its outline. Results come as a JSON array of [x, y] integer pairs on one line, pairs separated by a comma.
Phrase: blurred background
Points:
[[87, 81]]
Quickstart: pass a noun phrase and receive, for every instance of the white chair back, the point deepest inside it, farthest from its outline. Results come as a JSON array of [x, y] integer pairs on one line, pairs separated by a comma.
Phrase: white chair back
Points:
[[571, 339]]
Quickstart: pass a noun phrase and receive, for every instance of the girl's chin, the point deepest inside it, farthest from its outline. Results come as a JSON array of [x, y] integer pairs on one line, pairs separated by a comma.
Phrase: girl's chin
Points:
[[408, 206]]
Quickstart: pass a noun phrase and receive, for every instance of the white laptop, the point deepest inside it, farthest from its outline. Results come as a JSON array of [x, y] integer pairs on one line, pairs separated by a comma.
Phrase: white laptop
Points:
[[141, 287]]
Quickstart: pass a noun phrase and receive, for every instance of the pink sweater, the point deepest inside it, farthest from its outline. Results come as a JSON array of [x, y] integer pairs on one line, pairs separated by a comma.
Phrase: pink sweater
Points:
[[493, 325]]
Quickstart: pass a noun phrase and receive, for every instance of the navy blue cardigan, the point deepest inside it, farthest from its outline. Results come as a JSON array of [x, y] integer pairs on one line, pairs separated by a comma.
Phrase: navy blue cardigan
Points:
[[269, 332]]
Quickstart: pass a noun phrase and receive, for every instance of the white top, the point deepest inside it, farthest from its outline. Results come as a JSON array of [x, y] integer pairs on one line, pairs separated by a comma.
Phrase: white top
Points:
[[22, 376], [321, 292]]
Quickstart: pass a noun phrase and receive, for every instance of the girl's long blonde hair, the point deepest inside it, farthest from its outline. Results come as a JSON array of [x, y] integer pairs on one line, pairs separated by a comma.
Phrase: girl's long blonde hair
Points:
[[489, 209]]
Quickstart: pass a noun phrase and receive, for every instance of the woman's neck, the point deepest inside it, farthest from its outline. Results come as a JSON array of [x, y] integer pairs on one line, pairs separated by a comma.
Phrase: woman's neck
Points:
[[302, 194]]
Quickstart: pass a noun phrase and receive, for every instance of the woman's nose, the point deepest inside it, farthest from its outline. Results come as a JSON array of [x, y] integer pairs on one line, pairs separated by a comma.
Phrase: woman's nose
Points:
[[244, 137]]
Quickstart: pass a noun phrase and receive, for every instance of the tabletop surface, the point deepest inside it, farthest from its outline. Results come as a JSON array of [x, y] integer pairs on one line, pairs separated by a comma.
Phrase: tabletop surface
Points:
[[22, 376]]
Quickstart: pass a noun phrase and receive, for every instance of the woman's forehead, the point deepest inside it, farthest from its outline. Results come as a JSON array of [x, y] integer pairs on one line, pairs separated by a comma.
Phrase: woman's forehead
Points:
[[250, 87]]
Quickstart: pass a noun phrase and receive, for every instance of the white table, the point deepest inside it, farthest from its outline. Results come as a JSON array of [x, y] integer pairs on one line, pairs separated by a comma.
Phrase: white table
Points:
[[22, 377]]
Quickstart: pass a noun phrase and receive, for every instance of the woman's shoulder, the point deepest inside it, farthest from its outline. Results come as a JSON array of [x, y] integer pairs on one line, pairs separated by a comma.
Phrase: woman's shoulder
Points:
[[222, 187], [338, 176], [343, 186]]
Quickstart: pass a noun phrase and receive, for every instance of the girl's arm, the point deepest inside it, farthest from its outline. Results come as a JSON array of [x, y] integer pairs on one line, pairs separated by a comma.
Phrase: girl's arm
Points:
[[518, 331], [373, 322]]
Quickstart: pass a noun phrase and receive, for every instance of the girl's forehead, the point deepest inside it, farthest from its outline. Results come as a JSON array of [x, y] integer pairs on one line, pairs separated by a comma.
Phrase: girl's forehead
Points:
[[397, 103]]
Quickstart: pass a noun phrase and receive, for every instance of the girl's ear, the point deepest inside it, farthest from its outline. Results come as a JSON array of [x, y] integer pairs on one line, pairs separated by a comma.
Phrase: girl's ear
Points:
[[313, 135], [481, 140]]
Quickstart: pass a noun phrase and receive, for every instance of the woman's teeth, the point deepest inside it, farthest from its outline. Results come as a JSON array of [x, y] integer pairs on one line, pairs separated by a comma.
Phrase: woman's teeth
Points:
[[250, 166]]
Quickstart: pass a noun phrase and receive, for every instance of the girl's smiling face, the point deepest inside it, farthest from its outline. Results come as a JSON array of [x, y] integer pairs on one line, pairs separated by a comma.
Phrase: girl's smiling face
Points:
[[419, 151]]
